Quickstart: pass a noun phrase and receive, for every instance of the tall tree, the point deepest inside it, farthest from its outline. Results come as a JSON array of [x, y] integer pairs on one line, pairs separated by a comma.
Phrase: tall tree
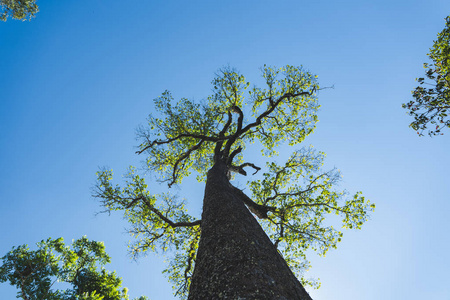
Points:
[[228, 253], [431, 102], [18, 9], [35, 272]]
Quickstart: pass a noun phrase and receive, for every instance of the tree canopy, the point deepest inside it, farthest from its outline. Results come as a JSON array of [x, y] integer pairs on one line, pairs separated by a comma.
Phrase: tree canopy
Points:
[[18, 9], [292, 199], [35, 272], [431, 99]]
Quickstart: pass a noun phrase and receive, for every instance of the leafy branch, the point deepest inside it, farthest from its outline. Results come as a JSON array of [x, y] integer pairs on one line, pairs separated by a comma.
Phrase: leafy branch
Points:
[[300, 195], [431, 99]]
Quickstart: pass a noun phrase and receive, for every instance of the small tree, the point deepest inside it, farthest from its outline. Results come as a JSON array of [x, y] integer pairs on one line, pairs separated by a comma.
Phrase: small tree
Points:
[[227, 254], [431, 101], [18, 9], [34, 272]]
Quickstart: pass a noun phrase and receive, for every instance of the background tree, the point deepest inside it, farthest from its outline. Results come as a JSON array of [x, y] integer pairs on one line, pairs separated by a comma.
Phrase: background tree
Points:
[[235, 257], [18, 9], [34, 272], [432, 97]]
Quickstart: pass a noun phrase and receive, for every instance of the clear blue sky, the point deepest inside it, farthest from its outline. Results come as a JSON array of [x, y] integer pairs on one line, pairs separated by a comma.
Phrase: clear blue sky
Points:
[[76, 82]]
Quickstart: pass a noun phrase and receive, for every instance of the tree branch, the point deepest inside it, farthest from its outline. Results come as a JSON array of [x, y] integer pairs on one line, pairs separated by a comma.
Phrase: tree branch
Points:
[[183, 135], [250, 165], [181, 158], [298, 193], [221, 135], [281, 224], [237, 133], [161, 215], [259, 210], [240, 131], [233, 154], [271, 109]]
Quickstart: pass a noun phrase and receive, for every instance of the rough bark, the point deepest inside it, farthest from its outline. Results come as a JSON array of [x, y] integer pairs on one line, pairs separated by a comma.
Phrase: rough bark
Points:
[[236, 259]]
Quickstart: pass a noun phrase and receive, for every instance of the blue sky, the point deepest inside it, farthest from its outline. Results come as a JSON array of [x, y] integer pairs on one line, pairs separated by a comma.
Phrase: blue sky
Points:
[[76, 82]]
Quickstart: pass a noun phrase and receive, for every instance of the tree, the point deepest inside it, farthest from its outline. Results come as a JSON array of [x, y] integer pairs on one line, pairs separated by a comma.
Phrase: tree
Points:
[[34, 272], [18, 9], [431, 101], [228, 254]]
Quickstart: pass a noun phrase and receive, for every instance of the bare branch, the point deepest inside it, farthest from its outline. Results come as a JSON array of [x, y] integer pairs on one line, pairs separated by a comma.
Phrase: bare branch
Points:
[[240, 169], [259, 210], [222, 134], [233, 154], [237, 133], [250, 165], [237, 110]]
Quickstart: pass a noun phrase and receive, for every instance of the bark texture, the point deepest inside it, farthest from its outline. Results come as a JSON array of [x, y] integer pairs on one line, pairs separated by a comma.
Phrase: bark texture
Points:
[[236, 259]]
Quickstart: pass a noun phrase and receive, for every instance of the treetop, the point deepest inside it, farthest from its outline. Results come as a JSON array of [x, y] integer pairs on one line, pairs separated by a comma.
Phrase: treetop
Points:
[[186, 136]]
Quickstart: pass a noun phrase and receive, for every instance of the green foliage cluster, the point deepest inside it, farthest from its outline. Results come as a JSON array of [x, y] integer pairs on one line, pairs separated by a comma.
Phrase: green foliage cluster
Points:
[[35, 272], [183, 122], [431, 103], [302, 196], [291, 200], [159, 222], [18, 9], [293, 118]]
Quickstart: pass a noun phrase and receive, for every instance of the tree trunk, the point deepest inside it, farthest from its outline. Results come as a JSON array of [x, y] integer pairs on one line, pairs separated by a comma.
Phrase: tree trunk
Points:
[[236, 259]]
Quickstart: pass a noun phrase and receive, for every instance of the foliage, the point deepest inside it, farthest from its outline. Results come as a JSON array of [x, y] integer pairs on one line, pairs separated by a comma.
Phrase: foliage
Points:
[[34, 272], [432, 98], [303, 196], [182, 137], [18, 9], [159, 222]]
